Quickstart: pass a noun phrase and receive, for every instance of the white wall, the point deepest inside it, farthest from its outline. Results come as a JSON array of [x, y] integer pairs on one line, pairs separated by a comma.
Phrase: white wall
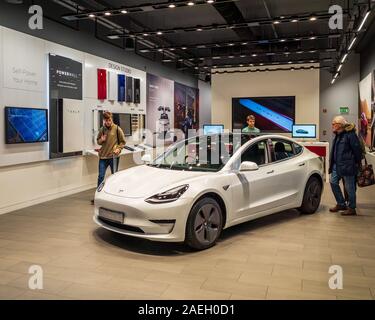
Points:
[[27, 176], [205, 100], [303, 84]]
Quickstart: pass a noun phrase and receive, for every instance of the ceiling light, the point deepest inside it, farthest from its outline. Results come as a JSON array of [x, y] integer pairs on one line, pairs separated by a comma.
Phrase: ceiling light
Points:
[[339, 68], [344, 58], [210, 1], [352, 43], [199, 29], [124, 11], [92, 15], [183, 48], [312, 51], [276, 22], [230, 57], [241, 65], [290, 62], [333, 80], [242, 56], [295, 20], [282, 40], [191, 3], [231, 44], [107, 13], [172, 6], [159, 33], [312, 38], [364, 20], [254, 55], [145, 34], [244, 43], [299, 52], [336, 75], [172, 49], [312, 61], [297, 39], [261, 64], [313, 18]]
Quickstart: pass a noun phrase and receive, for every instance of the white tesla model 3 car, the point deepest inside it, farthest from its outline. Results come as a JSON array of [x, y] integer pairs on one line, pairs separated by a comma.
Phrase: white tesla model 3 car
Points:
[[205, 184]]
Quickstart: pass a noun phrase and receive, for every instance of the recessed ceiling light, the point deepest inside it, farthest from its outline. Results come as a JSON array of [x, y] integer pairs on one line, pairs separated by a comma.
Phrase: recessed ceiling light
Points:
[[160, 50], [231, 44], [299, 52], [282, 40], [172, 6], [145, 34], [261, 64], [244, 43], [107, 13], [295, 20], [313, 18], [297, 39], [159, 33], [92, 15], [276, 22], [242, 56], [254, 55], [199, 29], [124, 11], [172, 49], [210, 1], [289, 62], [183, 48], [312, 38], [230, 57], [191, 3]]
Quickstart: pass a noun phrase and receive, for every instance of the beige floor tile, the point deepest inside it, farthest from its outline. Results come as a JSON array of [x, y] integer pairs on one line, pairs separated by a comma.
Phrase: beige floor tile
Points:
[[9, 293], [175, 292], [82, 292], [50, 285], [232, 287], [7, 276], [284, 294]]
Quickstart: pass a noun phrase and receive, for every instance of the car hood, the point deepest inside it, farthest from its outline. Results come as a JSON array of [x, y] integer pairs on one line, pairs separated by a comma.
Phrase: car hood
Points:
[[146, 181]]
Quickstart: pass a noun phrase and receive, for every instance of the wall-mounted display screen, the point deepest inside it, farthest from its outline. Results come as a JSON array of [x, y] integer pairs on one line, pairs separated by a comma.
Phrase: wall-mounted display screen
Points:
[[210, 129], [25, 125], [304, 131], [272, 114], [123, 120]]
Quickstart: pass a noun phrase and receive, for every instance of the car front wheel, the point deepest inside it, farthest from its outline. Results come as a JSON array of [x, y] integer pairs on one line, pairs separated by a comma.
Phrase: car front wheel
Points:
[[312, 196], [204, 224]]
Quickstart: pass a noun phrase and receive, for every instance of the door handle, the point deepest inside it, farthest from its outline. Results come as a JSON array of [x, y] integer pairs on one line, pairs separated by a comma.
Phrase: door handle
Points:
[[271, 172], [302, 164]]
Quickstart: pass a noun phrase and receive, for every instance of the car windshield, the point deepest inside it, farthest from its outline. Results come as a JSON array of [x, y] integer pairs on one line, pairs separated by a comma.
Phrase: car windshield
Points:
[[202, 153]]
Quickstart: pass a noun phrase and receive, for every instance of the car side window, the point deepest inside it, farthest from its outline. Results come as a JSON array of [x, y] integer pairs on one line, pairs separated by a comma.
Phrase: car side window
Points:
[[255, 153], [282, 150], [297, 149]]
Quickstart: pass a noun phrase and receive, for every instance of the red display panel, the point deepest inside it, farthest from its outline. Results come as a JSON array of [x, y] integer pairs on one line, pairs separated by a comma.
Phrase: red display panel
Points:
[[102, 84]]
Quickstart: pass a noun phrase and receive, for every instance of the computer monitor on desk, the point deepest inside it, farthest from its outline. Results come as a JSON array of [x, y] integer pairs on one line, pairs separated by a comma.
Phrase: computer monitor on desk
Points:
[[304, 131]]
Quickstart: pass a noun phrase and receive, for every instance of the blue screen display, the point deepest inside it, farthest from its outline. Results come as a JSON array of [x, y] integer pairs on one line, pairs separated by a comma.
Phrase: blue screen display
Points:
[[213, 129], [26, 125], [304, 131]]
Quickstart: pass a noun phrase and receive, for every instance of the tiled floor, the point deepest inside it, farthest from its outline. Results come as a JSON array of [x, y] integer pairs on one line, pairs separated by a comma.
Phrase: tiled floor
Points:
[[284, 256]]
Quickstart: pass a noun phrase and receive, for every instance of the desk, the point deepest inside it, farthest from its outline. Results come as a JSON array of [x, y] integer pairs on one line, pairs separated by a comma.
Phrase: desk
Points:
[[322, 150]]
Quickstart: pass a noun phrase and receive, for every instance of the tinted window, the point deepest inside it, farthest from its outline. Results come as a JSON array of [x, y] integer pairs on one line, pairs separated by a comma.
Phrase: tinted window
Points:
[[297, 148], [282, 150], [255, 153]]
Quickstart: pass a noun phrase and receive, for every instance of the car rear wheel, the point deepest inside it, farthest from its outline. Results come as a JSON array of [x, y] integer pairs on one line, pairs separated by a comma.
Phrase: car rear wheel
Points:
[[204, 224], [312, 196]]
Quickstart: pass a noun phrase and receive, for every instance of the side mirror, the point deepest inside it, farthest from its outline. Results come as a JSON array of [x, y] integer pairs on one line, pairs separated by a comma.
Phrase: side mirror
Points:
[[146, 158], [248, 166]]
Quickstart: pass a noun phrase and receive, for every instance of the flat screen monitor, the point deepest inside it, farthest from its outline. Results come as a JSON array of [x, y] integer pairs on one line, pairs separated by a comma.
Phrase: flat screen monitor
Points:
[[123, 120], [25, 125], [272, 114], [210, 129], [304, 131]]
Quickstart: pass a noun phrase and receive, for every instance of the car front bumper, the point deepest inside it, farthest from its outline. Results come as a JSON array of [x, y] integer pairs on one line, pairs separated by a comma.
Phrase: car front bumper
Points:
[[158, 222]]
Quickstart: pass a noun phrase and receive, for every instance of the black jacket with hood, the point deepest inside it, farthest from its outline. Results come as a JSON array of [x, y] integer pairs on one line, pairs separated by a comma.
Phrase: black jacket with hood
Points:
[[346, 152]]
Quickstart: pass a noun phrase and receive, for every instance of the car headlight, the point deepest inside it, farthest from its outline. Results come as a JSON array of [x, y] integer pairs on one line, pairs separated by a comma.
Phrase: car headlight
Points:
[[101, 186], [168, 196]]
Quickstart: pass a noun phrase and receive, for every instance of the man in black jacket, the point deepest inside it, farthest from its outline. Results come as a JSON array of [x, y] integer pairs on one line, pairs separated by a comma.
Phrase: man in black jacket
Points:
[[345, 159]]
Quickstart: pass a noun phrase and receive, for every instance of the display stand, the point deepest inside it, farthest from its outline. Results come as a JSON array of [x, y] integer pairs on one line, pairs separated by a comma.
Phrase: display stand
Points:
[[322, 150]]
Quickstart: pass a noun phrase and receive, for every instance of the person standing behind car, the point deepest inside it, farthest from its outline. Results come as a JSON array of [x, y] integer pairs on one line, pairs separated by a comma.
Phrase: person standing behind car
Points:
[[345, 160], [250, 120], [111, 138]]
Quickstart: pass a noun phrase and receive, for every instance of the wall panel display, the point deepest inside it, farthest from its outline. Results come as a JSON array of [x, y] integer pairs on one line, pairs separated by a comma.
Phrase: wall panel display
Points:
[[186, 108], [112, 86], [121, 87], [272, 114], [65, 78], [102, 84], [25, 125], [123, 120], [365, 112], [160, 113], [129, 89], [137, 90], [23, 61], [72, 125]]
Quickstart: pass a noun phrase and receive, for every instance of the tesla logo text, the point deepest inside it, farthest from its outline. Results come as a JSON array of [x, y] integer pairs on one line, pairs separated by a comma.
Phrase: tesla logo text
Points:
[[336, 21], [36, 20], [336, 281], [36, 280]]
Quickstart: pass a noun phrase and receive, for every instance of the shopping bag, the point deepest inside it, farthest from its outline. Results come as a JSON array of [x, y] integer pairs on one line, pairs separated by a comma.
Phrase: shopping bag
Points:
[[366, 175]]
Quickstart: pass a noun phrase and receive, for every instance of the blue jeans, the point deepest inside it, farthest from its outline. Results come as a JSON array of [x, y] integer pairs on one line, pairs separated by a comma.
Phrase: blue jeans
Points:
[[104, 164], [350, 183]]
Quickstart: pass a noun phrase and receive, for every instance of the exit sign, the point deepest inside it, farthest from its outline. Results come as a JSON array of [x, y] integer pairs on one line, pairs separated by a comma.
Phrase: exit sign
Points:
[[344, 110]]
